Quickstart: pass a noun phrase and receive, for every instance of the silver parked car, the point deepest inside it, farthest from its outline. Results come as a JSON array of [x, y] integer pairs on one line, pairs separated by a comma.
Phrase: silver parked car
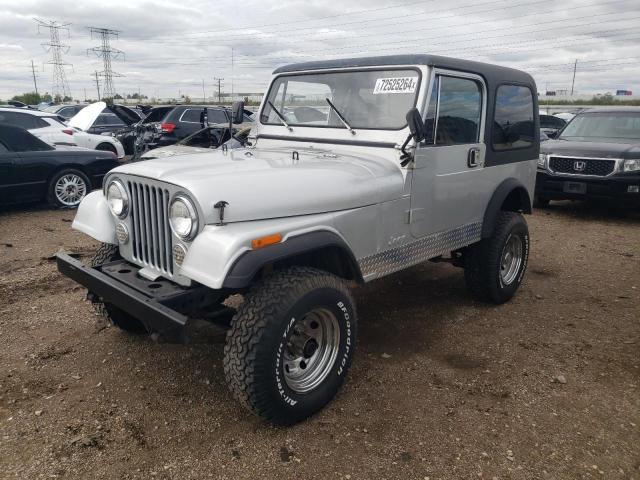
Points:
[[354, 169]]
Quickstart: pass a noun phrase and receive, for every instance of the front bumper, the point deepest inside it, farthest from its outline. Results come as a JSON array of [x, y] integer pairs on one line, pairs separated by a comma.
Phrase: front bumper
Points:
[[153, 303], [614, 187]]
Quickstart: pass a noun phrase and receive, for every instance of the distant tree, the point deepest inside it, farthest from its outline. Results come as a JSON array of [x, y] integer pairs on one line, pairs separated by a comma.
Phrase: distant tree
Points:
[[30, 98], [67, 98], [47, 97], [118, 96], [187, 99], [57, 98]]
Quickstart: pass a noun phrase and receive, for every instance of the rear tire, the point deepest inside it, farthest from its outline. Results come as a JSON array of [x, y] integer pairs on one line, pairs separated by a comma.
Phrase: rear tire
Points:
[[67, 188], [290, 344], [107, 147], [540, 202], [106, 311], [495, 266]]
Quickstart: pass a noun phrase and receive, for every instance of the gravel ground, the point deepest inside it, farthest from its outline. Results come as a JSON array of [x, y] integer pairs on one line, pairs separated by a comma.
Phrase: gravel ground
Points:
[[546, 386]]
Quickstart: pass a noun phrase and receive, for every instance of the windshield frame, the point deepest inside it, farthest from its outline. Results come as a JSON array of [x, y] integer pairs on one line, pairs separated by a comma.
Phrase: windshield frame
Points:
[[594, 114], [381, 68]]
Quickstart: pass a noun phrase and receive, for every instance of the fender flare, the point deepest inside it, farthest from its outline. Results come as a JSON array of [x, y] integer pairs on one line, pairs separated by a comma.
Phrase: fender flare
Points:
[[511, 189], [245, 268]]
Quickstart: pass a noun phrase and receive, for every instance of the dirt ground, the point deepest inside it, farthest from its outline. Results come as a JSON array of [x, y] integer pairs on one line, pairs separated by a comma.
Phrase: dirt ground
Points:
[[546, 386]]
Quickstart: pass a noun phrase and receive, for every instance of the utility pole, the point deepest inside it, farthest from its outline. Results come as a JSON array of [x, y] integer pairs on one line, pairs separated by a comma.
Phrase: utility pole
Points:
[[97, 84], [33, 71], [85, 94], [232, 73], [219, 80], [56, 48], [575, 66], [107, 53], [204, 97]]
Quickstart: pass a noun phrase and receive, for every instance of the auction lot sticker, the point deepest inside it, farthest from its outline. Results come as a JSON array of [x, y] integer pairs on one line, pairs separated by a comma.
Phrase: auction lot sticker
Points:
[[395, 85]]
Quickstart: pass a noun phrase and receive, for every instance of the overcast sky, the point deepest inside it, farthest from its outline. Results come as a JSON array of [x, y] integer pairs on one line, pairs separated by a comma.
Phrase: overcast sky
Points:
[[171, 47]]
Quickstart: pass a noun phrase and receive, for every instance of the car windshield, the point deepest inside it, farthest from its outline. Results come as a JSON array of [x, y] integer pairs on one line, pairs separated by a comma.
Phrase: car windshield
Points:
[[621, 125], [371, 99]]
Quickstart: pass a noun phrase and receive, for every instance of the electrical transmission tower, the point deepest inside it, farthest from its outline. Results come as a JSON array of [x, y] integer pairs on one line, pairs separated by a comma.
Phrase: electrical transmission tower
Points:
[[107, 53], [56, 48]]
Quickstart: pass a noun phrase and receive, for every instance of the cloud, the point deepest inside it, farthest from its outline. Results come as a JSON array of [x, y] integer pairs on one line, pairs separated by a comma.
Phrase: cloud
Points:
[[173, 46]]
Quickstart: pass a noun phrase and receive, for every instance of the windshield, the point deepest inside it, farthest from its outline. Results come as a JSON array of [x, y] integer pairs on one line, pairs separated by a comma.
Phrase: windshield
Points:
[[621, 125], [371, 99]]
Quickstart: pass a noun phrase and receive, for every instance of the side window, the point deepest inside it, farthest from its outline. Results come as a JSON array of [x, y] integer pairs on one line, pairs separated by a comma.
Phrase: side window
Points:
[[23, 141], [67, 112], [192, 115], [216, 116], [513, 124], [22, 120], [459, 111], [3, 149], [39, 123]]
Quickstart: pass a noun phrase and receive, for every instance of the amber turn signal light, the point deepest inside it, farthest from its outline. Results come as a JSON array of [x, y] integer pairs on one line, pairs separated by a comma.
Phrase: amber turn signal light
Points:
[[266, 241]]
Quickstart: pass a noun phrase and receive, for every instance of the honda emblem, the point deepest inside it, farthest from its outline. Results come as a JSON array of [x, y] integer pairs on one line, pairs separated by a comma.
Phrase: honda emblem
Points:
[[579, 165]]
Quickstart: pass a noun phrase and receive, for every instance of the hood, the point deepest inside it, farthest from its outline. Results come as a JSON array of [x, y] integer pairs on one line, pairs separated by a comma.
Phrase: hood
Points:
[[603, 148], [172, 151], [126, 114], [270, 183], [85, 117]]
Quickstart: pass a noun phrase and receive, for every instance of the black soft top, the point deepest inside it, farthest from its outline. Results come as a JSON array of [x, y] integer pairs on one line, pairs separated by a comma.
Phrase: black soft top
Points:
[[492, 73]]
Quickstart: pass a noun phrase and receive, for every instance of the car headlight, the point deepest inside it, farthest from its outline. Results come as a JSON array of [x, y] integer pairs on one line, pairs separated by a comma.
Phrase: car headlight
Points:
[[542, 160], [631, 165], [117, 198], [183, 217]]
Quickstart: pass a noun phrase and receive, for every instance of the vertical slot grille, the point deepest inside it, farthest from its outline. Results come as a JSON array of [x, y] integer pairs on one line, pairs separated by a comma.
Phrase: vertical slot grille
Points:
[[151, 234]]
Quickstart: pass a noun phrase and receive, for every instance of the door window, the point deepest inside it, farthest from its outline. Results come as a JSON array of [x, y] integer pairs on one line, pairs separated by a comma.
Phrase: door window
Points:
[[513, 124], [19, 140], [459, 111]]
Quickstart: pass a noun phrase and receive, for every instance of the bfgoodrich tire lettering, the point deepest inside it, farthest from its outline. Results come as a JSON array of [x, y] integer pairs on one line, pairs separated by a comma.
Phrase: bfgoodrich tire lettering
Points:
[[487, 262], [260, 340]]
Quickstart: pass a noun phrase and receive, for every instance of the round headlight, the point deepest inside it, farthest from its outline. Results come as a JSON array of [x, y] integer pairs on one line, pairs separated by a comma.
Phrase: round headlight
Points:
[[117, 198], [183, 217]]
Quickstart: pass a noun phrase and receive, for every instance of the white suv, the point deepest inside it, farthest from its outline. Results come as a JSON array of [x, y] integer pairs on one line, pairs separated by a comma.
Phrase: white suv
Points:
[[49, 128]]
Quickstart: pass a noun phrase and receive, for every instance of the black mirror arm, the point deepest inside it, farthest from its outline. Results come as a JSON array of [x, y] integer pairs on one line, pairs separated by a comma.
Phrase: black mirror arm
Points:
[[406, 157]]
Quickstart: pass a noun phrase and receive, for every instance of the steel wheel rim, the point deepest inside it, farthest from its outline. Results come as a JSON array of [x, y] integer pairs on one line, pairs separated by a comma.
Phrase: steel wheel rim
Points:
[[317, 331], [70, 189], [511, 259]]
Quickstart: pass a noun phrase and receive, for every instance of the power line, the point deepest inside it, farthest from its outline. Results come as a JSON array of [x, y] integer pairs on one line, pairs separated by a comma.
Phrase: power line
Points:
[[107, 53], [60, 85]]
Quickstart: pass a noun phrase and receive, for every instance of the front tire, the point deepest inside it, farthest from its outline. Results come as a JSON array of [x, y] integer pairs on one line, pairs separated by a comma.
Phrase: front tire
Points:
[[495, 267], [109, 313], [290, 344]]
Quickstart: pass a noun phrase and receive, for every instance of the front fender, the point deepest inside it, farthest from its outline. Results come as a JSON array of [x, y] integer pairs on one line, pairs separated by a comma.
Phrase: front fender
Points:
[[94, 218], [216, 249]]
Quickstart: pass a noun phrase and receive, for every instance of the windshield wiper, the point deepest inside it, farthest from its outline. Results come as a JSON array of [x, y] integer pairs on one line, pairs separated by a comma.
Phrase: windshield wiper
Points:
[[342, 119], [277, 112]]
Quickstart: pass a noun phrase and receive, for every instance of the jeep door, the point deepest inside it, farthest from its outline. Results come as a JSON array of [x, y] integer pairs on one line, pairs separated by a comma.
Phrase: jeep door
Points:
[[446, 190]]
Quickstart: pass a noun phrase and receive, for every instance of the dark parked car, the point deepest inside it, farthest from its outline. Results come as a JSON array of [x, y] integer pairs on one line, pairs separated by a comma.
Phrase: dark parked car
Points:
[[551, 125], [31, 170], [597, 155], [65, 111], [183, 120]]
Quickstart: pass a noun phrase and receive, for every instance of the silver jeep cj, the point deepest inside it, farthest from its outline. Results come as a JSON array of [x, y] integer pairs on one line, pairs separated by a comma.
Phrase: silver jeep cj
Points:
[[355, 169]]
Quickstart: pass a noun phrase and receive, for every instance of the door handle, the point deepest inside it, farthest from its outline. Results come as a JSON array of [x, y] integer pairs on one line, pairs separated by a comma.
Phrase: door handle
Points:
[[473, 158]]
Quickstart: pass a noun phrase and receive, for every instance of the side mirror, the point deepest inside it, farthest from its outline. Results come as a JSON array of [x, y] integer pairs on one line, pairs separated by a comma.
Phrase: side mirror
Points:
[[204, 117], [237, 112], [416, 125]]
